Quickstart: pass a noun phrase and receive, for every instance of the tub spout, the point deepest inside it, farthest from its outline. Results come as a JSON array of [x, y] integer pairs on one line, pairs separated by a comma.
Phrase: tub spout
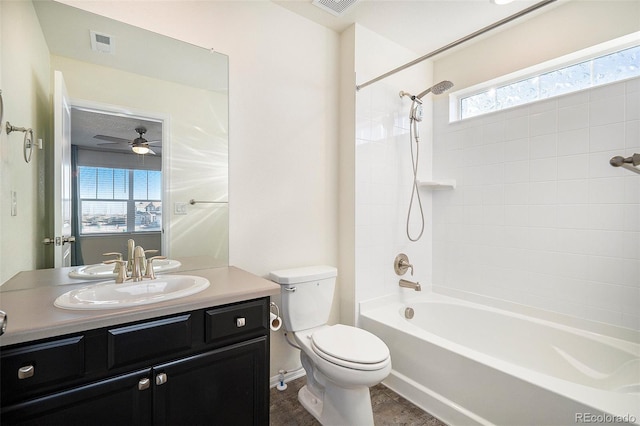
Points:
[[410, 284]]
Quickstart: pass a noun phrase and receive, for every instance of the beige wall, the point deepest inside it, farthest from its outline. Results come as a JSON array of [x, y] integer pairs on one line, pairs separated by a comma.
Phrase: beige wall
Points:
[[556, 31], [25, 90]]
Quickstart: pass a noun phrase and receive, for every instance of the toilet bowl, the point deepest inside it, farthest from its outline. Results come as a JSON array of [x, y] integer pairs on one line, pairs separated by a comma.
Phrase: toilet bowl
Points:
[[348, 356], [341, 362]]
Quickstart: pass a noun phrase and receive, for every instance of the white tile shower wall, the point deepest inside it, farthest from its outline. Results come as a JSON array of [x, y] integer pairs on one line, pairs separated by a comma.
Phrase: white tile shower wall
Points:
[[383, 174], [383, 190], [539, 217]]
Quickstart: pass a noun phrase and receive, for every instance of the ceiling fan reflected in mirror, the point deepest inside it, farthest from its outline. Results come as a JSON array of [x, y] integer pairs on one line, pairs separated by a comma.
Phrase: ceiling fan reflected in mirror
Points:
[[139, 145]]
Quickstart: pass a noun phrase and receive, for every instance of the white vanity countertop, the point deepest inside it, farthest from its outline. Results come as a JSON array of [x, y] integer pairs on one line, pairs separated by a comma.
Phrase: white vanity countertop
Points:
[[31, 314]]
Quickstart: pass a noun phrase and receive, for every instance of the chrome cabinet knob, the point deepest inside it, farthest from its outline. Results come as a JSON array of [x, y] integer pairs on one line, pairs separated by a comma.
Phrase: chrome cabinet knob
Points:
[[161, 379], [144, 383], [3, 322], [241, 322], [26, 372]]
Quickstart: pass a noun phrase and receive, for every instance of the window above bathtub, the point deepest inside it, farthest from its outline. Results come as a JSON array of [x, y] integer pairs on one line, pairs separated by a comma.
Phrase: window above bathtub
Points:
[[615, 60]]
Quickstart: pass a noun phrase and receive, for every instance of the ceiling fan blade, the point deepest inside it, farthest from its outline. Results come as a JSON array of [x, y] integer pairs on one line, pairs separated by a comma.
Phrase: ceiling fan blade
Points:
[[151, 152], [158, 141], [111, 138], [110, 144]]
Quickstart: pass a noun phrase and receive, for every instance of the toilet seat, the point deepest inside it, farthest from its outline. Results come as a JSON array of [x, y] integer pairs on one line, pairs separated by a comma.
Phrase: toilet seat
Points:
[[350, 347]]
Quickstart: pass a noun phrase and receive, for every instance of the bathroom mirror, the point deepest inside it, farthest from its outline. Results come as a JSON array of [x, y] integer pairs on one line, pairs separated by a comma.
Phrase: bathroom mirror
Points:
[[112, 68]]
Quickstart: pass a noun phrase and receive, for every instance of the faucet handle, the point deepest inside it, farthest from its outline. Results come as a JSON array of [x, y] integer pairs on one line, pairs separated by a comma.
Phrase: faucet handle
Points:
[[150, 272], [121, 266], [401, 264], [143, 265], [118, 256]]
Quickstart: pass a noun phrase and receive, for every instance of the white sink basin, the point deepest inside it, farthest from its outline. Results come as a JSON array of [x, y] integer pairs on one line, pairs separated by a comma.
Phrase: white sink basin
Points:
[[109, 295], [100, 271]]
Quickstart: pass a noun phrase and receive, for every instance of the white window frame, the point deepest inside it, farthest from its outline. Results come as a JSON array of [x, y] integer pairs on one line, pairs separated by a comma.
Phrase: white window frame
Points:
[[583, 55]]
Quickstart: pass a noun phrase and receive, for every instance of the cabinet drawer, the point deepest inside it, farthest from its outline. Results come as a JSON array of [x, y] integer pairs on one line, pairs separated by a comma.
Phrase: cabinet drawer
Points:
[[149, 340], [236, 320], [41, 365]]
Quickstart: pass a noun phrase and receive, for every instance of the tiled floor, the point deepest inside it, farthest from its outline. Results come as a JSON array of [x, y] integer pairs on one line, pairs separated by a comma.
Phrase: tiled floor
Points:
[[389, 408]]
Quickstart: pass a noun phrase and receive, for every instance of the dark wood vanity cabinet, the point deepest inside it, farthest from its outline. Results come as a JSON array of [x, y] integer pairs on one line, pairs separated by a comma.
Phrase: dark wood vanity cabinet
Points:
[[202, 367]]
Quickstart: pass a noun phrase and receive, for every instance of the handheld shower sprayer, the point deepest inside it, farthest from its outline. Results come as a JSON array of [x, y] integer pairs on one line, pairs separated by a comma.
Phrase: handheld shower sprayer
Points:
[[437, 89], [415, 115], [416, 112]]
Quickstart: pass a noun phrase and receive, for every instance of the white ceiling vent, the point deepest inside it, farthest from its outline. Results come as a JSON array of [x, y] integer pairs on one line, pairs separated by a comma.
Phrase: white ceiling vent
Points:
[[334, 7], [102, 43]]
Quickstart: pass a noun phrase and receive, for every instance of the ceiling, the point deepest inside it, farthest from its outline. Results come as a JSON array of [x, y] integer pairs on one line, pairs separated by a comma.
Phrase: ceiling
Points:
[[87, 124], [66, 30], [419, 25]]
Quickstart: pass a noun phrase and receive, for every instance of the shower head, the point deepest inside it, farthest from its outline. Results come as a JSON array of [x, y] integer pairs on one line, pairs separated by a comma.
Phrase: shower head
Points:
[[437, 89]]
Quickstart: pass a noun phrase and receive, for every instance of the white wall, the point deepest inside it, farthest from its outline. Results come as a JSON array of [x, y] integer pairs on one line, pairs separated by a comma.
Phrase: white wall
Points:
[[25, 90], [283, 128], [383, 175]]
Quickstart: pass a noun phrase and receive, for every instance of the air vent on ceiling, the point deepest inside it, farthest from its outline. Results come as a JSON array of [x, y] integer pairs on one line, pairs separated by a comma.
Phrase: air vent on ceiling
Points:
[[334, 7], [102, 43]]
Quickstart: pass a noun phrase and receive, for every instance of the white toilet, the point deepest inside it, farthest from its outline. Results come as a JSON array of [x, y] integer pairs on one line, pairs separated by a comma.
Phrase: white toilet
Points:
[[341, 362]]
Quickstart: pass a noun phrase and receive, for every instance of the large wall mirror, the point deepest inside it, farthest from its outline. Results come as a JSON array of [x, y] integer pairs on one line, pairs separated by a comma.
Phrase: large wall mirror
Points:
[[149, 140]]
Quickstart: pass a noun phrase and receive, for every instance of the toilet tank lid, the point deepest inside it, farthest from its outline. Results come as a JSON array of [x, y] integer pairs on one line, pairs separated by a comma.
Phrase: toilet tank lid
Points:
[[301, 275]]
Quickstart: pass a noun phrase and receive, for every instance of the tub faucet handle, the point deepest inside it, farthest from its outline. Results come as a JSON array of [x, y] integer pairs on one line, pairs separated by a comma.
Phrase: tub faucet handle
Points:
[[401, 264]]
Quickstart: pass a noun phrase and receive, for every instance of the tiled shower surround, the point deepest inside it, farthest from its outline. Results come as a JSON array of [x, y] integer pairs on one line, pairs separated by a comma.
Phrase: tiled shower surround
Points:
[[538, 216]]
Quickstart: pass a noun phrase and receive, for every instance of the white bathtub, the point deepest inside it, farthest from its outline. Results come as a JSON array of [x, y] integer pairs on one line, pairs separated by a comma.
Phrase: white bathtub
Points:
[[467, 363]]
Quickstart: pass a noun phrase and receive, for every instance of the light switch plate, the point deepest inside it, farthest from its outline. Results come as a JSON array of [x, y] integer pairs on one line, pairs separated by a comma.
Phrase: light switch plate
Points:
[[14, 203], [180, 208]]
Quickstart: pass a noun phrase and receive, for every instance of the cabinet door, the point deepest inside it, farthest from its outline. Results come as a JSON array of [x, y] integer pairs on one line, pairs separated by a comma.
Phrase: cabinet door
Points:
[[227, 386], [122, 400]]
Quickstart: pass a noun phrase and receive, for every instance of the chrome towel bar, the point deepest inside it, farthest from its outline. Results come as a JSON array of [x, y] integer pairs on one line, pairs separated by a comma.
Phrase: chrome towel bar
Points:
[[192, 202]]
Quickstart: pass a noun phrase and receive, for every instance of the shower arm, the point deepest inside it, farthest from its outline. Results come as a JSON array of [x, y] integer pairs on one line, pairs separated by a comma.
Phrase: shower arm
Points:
[[458, 42]]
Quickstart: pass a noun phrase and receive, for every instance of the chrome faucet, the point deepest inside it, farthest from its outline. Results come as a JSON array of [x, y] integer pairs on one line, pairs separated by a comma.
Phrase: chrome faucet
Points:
[[410, 284], [139, 260], [130, 255], [137, 267]]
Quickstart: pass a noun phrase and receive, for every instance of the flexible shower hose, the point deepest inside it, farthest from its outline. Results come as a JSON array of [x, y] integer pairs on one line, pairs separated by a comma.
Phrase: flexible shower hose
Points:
[[413, 135]]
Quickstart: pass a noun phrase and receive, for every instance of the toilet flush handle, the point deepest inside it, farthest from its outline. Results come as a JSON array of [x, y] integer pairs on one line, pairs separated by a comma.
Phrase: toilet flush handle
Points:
[[291, 289]]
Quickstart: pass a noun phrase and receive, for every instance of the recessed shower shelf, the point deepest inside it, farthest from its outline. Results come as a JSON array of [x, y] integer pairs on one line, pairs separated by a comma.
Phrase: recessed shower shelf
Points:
[[435, 185]]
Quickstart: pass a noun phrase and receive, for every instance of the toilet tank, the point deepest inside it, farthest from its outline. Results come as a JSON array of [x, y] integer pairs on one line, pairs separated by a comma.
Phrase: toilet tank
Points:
[[307, 295]]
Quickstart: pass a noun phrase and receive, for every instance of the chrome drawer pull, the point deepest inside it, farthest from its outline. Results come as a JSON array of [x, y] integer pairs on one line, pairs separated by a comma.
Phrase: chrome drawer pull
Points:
[[161, 379], [26, 372], [241, 322], [144, 384]]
